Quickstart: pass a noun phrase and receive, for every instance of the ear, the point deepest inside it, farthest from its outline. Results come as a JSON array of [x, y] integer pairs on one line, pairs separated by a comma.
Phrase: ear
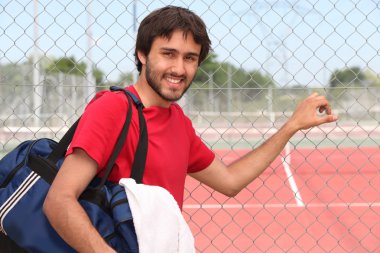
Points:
[[141, 57]]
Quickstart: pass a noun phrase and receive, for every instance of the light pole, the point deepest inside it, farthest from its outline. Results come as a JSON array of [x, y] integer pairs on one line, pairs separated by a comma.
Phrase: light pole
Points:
[[91, 85], [37, 86]]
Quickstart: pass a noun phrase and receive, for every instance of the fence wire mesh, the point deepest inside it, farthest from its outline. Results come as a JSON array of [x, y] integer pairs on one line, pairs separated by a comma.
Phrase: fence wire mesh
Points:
[[321, 194]]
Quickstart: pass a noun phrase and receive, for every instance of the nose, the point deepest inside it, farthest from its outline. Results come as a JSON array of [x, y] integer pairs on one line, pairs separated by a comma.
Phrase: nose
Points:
[[178, 67]]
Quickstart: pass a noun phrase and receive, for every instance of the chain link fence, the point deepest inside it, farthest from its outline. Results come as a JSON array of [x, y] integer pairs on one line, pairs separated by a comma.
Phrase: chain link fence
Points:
[[322, 193]]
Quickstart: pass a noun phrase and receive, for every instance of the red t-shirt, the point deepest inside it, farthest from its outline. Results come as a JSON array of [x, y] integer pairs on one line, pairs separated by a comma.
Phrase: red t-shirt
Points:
[[174, 149]]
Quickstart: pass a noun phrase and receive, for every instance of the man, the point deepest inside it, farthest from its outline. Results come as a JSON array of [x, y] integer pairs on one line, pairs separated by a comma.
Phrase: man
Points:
[[171, 43]]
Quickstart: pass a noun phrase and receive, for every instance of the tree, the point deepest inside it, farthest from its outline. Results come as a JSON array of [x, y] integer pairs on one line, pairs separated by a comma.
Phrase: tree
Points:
[[353, 76], [69, 65], [256, 82], [372, 78], [222, 80], [98, 75], [221, 72], [208, 66], [126, 79]]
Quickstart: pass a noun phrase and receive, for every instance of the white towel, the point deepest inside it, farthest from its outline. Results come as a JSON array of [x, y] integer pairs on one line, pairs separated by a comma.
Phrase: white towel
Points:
[[159, 224]]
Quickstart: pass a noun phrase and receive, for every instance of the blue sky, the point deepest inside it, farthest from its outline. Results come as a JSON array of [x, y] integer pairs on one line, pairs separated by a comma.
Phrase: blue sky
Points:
[[298, 42]]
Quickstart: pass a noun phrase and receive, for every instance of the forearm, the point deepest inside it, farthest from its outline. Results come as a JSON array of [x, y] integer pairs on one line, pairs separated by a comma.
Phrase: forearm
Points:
[[232, 179], [72, 223], [244, 170], [63, 210]]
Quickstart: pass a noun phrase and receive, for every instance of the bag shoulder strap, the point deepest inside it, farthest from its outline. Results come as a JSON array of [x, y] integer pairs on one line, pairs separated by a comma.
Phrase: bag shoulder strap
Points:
[[142, 146], [139, 161], [61, 148]]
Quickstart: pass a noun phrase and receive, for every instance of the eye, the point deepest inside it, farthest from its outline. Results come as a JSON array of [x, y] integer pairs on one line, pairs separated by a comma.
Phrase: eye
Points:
[[168, 54], [190, 58]]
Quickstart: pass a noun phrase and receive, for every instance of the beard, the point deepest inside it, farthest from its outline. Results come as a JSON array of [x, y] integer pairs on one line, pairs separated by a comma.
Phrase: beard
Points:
[[153, 79]]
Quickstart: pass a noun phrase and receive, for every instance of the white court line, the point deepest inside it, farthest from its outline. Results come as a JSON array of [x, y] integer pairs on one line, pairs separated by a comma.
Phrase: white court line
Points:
[[285, 162], [241, 206]]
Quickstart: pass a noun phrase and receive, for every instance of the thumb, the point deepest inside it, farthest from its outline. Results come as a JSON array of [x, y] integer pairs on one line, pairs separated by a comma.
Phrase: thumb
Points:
[[328, 118]]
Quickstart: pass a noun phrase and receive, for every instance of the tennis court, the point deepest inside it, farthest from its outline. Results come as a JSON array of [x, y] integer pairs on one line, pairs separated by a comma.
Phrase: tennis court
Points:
[[323, 199], [321, 194]]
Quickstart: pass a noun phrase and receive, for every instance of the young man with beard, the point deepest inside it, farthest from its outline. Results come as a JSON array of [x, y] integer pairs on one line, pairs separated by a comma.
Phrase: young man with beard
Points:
[[171, 44]]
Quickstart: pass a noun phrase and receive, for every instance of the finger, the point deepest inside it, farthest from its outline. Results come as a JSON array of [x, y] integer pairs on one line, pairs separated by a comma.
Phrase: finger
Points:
[[322, 104], [327, 119], [331, 117], [328, 110], [314, 94]]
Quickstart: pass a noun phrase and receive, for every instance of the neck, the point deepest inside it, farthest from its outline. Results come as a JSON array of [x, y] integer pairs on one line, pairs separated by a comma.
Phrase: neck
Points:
[[148, 96]]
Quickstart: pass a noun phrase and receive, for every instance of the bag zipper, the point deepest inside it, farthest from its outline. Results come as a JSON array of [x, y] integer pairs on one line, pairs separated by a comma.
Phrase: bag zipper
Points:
[[18, 167]]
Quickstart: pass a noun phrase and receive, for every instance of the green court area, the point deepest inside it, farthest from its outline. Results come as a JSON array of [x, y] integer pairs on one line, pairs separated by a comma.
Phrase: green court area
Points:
[[297, 142], [333, 136]]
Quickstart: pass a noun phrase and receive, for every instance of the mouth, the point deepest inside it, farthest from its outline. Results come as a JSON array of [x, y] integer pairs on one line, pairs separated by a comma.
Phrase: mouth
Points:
[[175, 81]]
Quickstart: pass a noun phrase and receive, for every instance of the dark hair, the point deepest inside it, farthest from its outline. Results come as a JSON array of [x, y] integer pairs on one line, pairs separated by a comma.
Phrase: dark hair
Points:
[[163, 22]]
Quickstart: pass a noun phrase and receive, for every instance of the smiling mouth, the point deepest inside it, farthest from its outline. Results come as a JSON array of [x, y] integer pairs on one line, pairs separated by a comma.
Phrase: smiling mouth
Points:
[[174, 80]]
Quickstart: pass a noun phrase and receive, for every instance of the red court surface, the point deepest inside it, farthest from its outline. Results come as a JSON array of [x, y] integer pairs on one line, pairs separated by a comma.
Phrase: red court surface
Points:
[[315, 200]]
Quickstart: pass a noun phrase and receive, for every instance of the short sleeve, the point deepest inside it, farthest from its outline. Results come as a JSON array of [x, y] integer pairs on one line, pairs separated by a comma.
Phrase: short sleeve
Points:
[[100, 126], [201, 156]]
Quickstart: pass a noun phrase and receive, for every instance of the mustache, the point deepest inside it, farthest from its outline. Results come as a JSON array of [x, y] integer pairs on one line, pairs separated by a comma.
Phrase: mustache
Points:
[[174, 75]]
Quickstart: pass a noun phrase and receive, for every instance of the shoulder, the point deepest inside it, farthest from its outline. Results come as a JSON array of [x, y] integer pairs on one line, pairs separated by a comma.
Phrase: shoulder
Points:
[[178, 111], [109, 96], [109, 101], [174, 107], [183, 119]]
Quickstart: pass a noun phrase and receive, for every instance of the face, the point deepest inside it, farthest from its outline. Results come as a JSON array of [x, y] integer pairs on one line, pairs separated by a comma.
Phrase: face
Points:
[[171, 65]]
